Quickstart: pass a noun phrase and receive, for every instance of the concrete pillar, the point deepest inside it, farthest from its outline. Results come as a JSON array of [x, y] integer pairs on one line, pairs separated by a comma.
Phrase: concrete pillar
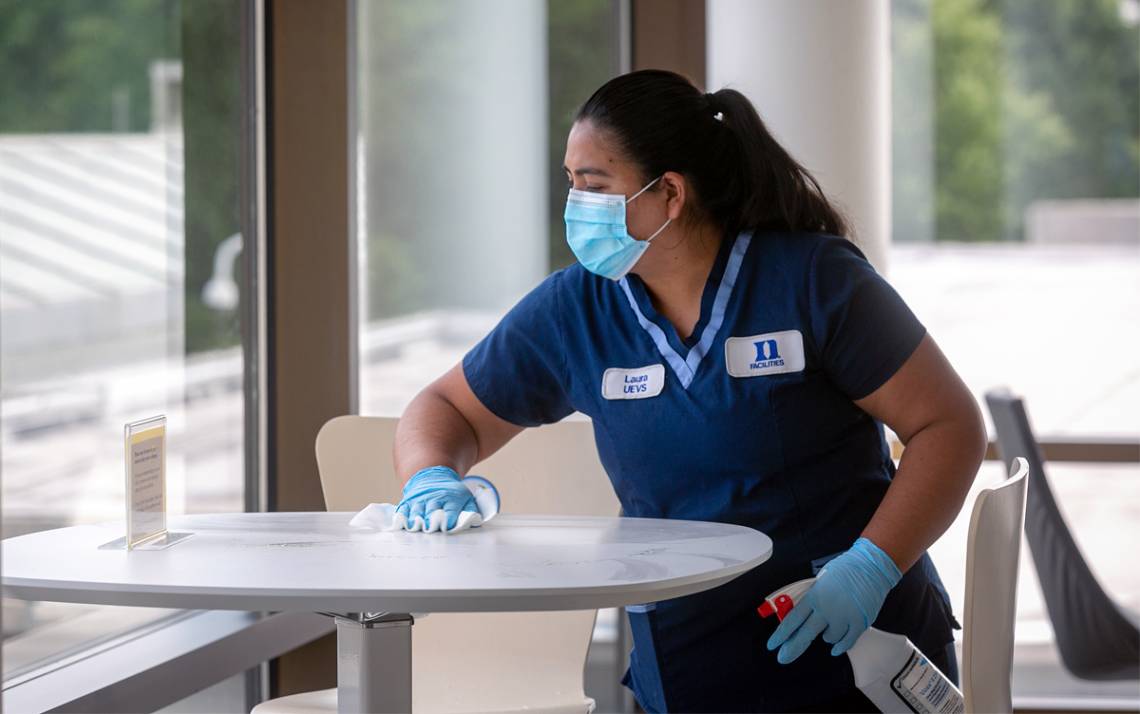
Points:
[[454, 127], [818, 71]]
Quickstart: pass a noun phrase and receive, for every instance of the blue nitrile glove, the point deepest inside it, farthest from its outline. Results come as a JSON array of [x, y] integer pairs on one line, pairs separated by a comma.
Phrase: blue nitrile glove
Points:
[[434, 488], [842, 603]]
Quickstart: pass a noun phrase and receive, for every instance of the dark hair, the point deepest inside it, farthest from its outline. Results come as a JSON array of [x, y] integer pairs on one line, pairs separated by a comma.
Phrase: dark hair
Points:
[[743, 178]]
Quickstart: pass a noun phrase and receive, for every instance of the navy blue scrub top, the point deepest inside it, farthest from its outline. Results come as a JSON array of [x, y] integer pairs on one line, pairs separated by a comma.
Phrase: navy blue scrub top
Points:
[[750, 421]]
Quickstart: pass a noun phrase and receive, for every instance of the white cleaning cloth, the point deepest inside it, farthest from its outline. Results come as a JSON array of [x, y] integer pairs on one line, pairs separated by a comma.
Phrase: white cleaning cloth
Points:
[[383, 516]]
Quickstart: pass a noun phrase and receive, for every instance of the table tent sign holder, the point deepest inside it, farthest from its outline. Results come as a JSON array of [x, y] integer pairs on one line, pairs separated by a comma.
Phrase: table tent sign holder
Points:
[[144, 457]]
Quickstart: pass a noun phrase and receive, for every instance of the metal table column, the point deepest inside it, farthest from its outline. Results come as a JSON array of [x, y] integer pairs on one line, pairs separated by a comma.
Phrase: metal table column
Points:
[[374, 663]]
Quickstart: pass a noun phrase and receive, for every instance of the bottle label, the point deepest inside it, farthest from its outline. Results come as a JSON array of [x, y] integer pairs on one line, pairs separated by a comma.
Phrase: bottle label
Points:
[[925, 689]]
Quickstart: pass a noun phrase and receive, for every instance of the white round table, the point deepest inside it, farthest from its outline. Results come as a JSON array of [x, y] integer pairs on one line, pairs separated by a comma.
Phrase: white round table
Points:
[[372, 580]]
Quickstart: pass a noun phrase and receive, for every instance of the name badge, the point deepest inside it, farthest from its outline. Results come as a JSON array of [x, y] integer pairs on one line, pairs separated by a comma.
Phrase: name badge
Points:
[[640, 383], [761, 355]]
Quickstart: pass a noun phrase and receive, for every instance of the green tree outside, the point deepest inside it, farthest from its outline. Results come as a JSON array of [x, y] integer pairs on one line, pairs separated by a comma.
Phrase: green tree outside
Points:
[[1030, 100], [582, 41], [69, 66]]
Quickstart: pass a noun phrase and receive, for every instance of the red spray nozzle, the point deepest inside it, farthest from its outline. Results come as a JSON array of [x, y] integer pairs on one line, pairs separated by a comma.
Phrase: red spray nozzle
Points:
[[781, 602]]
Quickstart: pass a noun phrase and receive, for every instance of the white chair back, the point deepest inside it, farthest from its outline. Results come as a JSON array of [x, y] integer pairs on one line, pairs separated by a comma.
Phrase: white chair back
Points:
[[551, 469], [487, 661], [993, 554]]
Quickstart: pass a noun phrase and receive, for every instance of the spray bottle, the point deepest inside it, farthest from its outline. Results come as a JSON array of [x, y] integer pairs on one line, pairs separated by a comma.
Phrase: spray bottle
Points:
[[888, 668]]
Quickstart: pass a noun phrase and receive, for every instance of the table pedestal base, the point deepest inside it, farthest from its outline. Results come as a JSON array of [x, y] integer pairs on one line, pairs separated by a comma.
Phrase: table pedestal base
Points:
[[374, 664]]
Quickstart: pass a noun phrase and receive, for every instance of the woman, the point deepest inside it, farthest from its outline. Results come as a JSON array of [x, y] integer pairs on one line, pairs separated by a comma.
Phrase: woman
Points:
[[738, 359]]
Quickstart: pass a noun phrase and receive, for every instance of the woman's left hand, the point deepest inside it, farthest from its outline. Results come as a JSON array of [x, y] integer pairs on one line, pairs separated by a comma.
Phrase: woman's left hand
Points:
[[842, 603]]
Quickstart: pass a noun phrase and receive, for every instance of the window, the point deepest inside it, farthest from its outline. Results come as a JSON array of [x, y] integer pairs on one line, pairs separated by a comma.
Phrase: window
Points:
[[464, 109], [121, 275], [1016, 199]]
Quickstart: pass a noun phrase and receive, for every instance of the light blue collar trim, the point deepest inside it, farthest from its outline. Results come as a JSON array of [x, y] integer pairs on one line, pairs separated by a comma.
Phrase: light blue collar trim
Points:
[[686, 369], [678, 365]]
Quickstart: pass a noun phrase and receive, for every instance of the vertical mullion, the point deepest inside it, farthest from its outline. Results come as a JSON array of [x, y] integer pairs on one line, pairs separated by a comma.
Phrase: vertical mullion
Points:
[[623, 28], [352, 130], [253, 315], [312, 350], [670, 34], [310, 266]]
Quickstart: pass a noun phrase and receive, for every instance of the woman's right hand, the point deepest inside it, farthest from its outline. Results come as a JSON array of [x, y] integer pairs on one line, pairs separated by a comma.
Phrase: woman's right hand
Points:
[[432, 489]]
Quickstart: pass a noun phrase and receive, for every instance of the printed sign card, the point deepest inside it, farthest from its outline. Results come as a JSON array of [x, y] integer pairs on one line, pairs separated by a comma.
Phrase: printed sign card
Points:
[[145, 443], [144, 454]]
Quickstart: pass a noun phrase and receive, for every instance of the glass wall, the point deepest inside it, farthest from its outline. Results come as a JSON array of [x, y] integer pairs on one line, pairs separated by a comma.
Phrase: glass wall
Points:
[[1016, 185], [120, 274], [1016, 202], [463, 111], [464, 107]]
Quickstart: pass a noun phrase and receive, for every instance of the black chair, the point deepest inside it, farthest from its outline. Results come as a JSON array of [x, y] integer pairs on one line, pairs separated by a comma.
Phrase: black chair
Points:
[[1096, 638]]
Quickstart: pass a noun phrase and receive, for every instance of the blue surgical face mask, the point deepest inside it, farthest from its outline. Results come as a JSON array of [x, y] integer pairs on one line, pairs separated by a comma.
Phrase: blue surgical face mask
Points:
[[597, 233]]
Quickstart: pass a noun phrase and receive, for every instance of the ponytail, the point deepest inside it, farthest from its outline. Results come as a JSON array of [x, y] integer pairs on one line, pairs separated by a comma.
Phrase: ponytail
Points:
[[770, 189], [742, 177]]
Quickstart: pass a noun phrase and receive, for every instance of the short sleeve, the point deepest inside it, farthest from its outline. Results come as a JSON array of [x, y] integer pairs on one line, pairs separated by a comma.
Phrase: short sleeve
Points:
[[518, 370], [862, 328]]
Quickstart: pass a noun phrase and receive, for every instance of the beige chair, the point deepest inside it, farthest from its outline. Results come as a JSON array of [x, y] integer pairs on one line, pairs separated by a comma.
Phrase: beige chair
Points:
[[487, 662], [993, 552]]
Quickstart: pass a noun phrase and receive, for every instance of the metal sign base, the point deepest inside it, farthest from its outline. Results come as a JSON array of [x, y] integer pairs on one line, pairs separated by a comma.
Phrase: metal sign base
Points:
[[161, 543]]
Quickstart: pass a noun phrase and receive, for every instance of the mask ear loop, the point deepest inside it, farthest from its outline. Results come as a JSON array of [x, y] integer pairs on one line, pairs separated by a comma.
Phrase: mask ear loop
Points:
[[658, 231], [667, 220], [645, 189]]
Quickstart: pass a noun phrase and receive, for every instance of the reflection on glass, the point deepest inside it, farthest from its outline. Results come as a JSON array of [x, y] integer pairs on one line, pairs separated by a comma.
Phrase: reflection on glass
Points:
[[119, 189], [464, 108]]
